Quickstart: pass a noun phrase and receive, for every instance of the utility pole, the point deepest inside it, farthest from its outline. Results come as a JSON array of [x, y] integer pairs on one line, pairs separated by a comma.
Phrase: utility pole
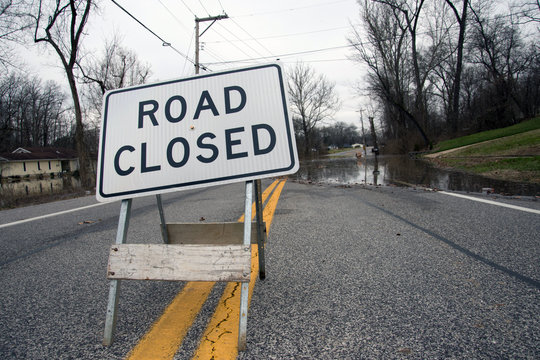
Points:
[[374, 135], [363, 132], [213, 19]]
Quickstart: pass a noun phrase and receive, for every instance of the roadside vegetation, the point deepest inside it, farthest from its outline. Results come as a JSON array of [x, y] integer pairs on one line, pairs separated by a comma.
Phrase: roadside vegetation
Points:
[[511, 153], [522, 127]]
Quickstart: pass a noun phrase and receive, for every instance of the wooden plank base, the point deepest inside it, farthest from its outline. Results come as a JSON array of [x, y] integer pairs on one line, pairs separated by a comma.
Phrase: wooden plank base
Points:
[[180, 262], [224, 233]]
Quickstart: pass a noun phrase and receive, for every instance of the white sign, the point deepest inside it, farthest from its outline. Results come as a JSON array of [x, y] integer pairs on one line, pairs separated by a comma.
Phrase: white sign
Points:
[[202, 131]]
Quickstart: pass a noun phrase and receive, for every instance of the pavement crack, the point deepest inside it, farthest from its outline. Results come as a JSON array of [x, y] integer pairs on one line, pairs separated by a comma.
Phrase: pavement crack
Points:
[[213, 335]]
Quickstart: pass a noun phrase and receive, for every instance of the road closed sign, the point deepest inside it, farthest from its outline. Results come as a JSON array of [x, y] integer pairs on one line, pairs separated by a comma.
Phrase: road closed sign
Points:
[[202, 131]]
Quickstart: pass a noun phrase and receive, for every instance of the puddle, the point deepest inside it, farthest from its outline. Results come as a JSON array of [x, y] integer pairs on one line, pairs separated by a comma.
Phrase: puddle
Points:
[[401, 170]]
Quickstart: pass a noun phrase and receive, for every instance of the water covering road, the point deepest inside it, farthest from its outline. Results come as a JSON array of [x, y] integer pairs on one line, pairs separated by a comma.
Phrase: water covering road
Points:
[[346, 169]]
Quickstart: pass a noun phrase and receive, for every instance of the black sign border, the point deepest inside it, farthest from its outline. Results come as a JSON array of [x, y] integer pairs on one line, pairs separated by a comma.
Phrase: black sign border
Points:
[[199, 183]]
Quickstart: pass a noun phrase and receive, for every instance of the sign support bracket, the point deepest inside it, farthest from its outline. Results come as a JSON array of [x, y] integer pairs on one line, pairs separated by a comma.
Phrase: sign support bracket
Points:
[[164, 234], [121, 239], [244, 291], [260, 230], [114, 286]]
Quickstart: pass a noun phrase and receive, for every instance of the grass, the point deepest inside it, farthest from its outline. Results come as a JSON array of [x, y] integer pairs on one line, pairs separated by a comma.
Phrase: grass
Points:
[[518, 164], [527, 143], [522, 127], [487, 165], [523, 169], [511, 153]]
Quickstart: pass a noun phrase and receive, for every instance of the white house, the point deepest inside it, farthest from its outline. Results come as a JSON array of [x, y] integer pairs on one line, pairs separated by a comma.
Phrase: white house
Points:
[[37, 161]]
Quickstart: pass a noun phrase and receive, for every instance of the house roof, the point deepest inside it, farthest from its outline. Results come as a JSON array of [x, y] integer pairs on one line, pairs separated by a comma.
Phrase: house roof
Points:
[[39, 153]]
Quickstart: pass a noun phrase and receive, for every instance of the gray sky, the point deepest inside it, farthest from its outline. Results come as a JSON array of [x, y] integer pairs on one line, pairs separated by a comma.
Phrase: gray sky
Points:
[[312, 31]]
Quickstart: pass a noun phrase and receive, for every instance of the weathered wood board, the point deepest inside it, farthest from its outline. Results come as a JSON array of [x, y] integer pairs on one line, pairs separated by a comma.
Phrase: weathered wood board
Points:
[[211, 233], [180, 262]]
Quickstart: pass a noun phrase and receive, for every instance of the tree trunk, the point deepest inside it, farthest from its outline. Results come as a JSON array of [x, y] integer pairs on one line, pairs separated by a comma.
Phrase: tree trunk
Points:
[[67, 51], [86, 175], [373, 133], [306, 137], [456, 86]]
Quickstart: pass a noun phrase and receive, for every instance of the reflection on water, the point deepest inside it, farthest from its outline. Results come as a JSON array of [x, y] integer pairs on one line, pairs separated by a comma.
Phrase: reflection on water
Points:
[[33, 187], [401, 170]]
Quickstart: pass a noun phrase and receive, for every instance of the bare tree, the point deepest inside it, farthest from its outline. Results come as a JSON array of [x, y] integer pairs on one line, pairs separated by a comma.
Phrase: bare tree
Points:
[[407, 13], [31, 113], [385, 49], [461, 18], [340, 134], [498, 47], [60, 25], [9, 87], [14, 19], [313, 100], [454, 58], [529, 10], [47, 108], [115, 68]]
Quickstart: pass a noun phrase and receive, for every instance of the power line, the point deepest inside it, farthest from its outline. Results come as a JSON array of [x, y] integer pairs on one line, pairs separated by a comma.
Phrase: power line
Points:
[[187, 7], [238, 38], [253, 59], [214, 54], [233, 44], [207, 12], [286, 35], [257, 41], [189, 48], [287, 54], [319, 61], [354, 45], [173, 15], [220, 4], [163, 42], [249, 46], [292, 9]]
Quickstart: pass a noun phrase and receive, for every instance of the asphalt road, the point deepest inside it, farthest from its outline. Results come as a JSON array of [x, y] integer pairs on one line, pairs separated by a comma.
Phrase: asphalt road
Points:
[[352, 273]]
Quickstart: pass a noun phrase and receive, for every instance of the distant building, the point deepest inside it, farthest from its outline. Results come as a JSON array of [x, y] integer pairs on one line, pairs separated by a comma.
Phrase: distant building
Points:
[[38, 161]]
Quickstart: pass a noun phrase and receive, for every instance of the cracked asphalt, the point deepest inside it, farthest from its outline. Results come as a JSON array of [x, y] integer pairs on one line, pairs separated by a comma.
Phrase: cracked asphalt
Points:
[[351, 273]]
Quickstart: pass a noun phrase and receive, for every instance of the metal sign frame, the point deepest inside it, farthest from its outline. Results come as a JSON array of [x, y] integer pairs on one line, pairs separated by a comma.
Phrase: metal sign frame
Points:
[[121, 238]]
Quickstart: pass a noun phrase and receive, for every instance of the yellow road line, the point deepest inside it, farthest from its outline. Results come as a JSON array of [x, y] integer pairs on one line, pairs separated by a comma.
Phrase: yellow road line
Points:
[[220, 340], [270, 208], [264, 196], [167, 333]]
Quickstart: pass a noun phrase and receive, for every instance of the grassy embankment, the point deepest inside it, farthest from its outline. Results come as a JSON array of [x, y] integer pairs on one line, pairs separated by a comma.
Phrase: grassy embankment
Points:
[[511, 153]]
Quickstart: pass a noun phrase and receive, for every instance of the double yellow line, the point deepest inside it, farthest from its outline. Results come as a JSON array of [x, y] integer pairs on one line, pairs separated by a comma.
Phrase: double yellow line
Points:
[[220, 339]]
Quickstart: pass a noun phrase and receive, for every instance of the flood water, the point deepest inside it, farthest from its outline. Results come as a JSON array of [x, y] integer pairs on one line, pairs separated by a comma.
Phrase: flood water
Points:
[[338, 170], [402, 171], [32, 187]]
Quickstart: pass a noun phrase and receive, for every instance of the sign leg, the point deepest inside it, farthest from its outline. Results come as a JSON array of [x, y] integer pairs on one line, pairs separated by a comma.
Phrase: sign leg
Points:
[[110, 317], [114, 286], [244, 292], [260, 239], [164, 234]]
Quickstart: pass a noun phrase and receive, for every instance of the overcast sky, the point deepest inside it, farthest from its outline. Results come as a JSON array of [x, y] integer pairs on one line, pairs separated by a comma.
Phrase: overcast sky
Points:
[[312, 31]]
